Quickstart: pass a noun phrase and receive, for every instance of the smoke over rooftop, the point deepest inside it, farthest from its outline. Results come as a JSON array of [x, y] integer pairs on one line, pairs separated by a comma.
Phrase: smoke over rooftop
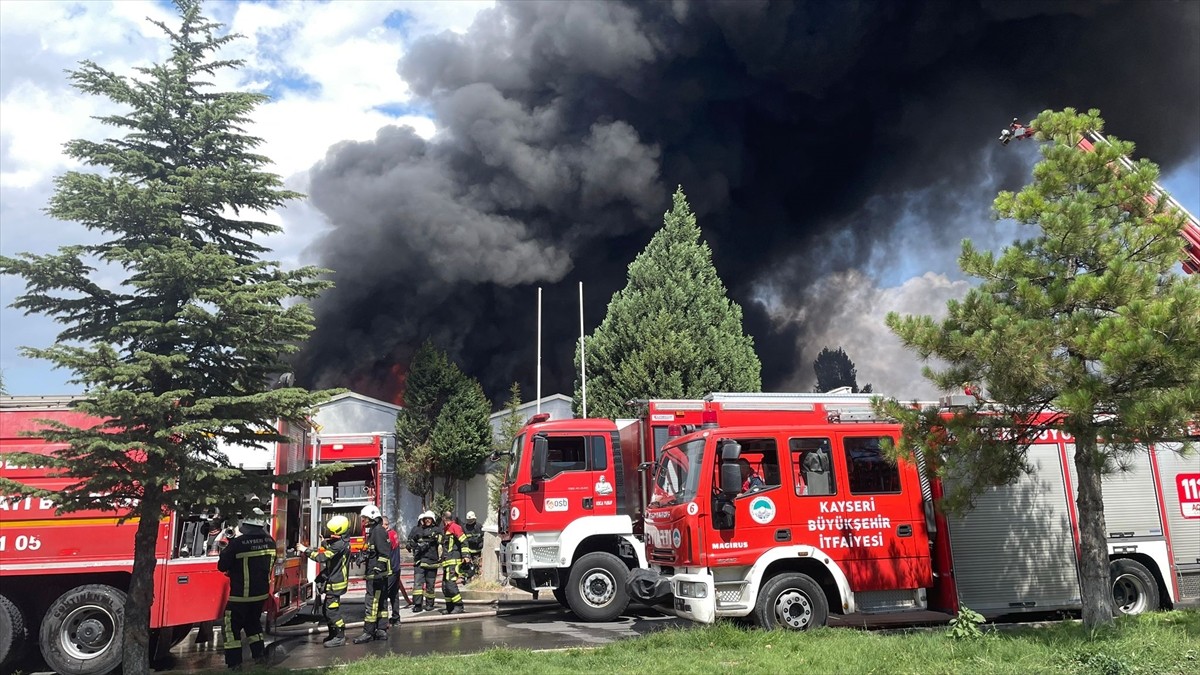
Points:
[[830, 150]]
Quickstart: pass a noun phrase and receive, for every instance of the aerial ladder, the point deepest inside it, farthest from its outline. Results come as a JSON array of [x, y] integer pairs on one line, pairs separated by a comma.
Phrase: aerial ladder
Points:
[[1087, 143]]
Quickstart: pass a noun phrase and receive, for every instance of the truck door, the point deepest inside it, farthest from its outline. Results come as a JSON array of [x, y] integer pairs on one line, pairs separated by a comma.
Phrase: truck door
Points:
[[578, 474], [876, 526], [762, 508]]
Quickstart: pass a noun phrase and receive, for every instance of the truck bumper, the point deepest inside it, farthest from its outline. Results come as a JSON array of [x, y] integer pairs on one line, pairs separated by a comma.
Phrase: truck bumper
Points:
[[694, 597], [514, 558]]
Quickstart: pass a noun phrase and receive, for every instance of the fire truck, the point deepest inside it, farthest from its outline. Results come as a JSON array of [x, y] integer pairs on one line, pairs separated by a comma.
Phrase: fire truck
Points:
[[63, 578], [832, 526], [573, 501]]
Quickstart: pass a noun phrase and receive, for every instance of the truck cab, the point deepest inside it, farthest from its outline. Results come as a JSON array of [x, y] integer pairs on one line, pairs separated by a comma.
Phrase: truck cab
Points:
[[572, 504], [784, 524]]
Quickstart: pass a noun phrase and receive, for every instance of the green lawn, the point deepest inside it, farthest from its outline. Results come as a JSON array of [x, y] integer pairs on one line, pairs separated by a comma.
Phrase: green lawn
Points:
[[1162, 643]]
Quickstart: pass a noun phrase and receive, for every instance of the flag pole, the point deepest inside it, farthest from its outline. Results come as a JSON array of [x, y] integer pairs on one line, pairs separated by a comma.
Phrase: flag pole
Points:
[[582, 362]]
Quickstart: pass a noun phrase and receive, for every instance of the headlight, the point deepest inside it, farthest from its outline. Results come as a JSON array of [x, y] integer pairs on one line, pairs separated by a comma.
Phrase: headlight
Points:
[[691, 589], [517, 557]]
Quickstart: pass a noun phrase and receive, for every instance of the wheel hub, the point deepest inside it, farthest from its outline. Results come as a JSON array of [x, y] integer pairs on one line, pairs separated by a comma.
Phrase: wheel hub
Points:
[[794, 610], [90, 633], [598, 588]]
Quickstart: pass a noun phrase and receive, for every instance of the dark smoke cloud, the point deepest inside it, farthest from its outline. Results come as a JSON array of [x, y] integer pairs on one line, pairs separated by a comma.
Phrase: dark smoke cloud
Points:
[[813, 139]]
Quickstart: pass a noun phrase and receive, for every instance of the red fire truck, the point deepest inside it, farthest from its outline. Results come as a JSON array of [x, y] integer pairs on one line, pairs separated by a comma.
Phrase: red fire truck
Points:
[[572, 505], [832, 526], [63, 578]]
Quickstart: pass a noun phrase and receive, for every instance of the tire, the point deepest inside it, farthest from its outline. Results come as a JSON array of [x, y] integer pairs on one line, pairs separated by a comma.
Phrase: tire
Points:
[[560, 594], [1134, 589], [81, 634], [792, 601], [13, 634], [596, 588]]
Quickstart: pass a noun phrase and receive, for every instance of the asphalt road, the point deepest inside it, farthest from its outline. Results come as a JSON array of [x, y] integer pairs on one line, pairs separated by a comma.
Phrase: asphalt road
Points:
[[545, 627]]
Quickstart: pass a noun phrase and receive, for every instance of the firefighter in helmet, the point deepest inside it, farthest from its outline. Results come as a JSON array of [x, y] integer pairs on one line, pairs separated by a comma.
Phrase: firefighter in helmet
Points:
[[379, 572], [247, 561], [452, 551], [472, 547], [334, 557], [423, 544]]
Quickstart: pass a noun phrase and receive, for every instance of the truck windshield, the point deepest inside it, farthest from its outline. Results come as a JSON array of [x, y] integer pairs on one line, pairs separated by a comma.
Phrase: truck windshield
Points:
[[678, 473], [514, 461]]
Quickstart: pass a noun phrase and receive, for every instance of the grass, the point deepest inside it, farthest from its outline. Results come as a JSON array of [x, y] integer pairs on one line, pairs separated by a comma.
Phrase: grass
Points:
[[1166, 643]]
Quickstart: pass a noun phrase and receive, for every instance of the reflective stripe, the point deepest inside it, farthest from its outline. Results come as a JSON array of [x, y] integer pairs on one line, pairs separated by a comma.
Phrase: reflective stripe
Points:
[[231, 640], [245, 557], [256, 598], [257, 637]]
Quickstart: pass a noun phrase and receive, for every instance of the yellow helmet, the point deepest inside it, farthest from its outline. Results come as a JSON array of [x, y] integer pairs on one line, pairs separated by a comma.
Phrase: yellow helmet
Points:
[[338, 525]]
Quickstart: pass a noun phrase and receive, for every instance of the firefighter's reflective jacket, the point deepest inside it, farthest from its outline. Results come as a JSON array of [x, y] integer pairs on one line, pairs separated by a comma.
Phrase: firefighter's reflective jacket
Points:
[[379, 554], [334, 558], [474, 532], [452, 541], [423, 542], [248, 561]]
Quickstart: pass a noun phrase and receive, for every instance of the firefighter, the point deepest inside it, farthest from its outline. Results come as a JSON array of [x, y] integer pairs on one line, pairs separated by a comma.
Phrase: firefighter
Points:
[[472, 547], [334, 558], [247, 561], [395, 583], [452, 551], [423, 544], [379, 571]]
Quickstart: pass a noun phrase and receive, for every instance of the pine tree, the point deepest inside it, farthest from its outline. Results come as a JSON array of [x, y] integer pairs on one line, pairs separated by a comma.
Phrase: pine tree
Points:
[[177, 354], [443, 429], [672, 332], [1086, 320], [835, 369], [427, 387]]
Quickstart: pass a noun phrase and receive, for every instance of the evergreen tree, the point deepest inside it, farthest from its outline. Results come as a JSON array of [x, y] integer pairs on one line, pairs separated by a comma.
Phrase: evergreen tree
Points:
[[835, 369], [1086, 321], [462, 435], [427, 387], [178, 353], [671, 332], [443, 429]]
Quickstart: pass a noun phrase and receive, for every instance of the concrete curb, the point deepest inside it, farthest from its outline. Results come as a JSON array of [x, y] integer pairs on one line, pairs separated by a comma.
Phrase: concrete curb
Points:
[[429, 616]]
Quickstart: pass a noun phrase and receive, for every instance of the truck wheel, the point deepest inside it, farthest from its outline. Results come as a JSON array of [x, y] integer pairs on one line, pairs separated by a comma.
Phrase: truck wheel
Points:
[[81, 634], [1133, 586], [793, 601], [13, 634], [596, 589]]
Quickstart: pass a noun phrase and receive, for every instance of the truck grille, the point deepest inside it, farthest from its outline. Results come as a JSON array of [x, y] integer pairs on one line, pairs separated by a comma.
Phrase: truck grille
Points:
[[662, 555]]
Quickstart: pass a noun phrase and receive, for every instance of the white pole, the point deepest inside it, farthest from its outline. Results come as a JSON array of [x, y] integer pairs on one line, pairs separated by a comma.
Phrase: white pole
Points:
[[582, 364], [539, 350]]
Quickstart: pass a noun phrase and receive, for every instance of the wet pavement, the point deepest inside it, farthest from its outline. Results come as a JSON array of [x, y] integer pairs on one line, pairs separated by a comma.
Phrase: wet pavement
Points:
[[540, 627]]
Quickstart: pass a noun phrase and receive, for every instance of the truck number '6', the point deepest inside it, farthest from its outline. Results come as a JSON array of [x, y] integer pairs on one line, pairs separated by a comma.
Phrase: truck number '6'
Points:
[[556, 504], [21, 542]]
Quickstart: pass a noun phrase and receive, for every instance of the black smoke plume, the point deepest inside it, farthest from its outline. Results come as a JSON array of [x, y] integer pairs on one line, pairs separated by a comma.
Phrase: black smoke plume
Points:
[[825, 146]]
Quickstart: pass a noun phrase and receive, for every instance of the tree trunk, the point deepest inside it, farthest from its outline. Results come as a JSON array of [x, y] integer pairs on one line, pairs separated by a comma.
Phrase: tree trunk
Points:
[[1095, 580], [135, 642]]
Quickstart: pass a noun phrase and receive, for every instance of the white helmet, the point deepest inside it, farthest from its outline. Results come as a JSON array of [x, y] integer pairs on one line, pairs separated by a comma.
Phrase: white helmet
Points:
[[470, 515], [371, 511], [427, 514], [255, 517]]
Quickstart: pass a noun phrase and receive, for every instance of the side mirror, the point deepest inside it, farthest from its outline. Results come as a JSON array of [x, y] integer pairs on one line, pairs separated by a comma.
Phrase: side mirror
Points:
[[731, 479], [724, 515], [541, 448], [730, 451]]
